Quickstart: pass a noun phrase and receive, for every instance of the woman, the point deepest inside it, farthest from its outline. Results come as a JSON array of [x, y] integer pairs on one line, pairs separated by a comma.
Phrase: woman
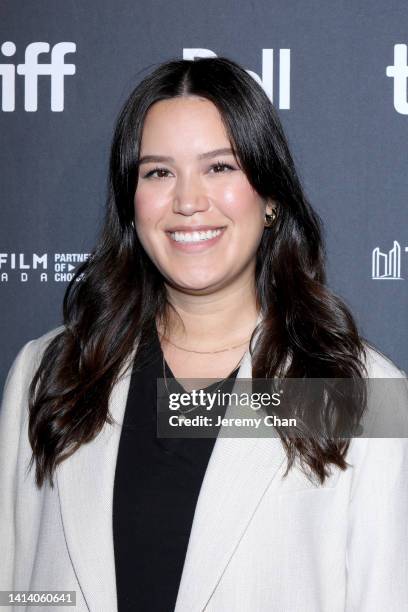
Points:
[[210, 264]]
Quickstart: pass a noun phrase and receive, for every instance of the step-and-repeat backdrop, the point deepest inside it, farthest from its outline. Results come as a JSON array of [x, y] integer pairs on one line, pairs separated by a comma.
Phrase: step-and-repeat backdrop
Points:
[[336, 71]]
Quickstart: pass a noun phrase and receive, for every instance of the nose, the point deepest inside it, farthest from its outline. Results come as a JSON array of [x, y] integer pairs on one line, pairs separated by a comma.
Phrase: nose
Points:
[[189, 196]]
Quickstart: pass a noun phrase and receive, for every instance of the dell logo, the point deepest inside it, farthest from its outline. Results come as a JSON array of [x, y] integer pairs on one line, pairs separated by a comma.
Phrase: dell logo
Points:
[[267, 79], [56, 69]]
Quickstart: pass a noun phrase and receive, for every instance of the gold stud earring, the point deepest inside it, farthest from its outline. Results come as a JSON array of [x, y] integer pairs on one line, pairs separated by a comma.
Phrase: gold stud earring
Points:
[[270, 219]]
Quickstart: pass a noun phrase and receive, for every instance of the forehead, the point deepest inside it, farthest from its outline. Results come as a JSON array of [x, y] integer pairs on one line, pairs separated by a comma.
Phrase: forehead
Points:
[[185, 122]]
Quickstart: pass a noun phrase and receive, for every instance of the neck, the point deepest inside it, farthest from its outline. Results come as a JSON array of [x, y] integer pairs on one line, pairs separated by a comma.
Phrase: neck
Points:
[[211, 321]]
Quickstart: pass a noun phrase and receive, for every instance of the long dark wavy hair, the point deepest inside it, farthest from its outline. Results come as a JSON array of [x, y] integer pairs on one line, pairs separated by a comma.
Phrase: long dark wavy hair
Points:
[[118, 292]]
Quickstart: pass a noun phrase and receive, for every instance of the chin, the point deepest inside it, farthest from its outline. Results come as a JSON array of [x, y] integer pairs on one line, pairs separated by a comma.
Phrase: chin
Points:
[[195, 285]]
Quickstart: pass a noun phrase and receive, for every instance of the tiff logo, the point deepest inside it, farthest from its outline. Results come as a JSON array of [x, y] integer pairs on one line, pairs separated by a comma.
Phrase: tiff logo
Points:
[[57, 69], [399, 72], [387, 266], [266, 81]]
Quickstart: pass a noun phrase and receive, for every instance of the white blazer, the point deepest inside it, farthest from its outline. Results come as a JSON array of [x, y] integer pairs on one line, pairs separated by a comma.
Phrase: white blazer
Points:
[[259, 543]]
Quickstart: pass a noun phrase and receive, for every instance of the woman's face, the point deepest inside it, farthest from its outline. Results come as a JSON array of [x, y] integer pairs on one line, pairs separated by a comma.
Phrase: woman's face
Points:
[[196, 214]]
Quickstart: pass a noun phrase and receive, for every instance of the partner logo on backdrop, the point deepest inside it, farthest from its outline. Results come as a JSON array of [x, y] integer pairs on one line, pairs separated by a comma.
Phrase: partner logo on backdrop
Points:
[[399, 72], [24, 267], [58, 267], [387, 266], [31, 69], [267, 79]]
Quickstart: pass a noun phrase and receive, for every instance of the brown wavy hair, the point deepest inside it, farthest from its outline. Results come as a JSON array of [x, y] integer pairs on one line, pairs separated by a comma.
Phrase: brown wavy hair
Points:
[[118, 292]]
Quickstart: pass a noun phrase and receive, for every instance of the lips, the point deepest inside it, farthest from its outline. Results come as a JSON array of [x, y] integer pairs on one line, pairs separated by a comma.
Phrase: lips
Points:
[[196, 236], [195, 240]]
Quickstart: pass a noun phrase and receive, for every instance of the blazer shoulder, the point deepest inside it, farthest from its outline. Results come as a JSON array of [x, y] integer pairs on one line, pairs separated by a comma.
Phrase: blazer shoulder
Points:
[[379, 365], [39, 344], [386, 414], [44, 339], [29, 356]]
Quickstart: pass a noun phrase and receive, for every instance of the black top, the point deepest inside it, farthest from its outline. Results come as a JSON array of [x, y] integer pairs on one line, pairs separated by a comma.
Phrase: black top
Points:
[[157, 483]]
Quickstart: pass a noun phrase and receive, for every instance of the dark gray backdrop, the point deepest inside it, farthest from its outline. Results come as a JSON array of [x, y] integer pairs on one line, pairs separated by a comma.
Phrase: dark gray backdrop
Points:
[[347, 125]]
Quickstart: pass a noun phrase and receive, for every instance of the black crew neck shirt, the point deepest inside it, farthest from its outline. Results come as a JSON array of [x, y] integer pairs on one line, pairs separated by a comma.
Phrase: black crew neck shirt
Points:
[[157, 483]]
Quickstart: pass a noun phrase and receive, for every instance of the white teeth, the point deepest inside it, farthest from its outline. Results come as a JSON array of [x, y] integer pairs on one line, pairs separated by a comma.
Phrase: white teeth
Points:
[[194, 236]]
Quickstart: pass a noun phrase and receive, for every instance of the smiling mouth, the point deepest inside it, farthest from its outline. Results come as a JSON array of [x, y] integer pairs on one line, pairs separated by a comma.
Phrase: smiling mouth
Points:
[[196, 236]]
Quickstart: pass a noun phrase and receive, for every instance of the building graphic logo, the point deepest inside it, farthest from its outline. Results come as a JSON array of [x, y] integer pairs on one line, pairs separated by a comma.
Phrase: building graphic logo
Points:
[[387, 266]]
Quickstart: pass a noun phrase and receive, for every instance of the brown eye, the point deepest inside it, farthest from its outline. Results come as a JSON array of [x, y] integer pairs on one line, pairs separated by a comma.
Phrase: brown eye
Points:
[[220, 167], [161, 173]]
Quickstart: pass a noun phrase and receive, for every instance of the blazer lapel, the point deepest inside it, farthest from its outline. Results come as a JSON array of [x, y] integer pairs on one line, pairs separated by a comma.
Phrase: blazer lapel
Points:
[[85, 484], [238, 474]]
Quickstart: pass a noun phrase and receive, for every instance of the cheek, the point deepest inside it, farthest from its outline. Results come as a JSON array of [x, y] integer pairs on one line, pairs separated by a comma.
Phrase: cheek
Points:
[[140, 206], [241, 202], [147, 208], [140, 203]]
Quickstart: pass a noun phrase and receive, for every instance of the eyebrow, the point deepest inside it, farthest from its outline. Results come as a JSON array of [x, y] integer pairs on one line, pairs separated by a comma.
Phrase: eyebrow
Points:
[[162, 158]]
